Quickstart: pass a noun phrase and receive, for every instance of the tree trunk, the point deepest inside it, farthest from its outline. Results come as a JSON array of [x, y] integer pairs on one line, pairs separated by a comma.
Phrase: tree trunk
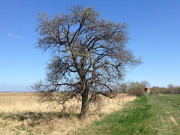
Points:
[[85, 104]]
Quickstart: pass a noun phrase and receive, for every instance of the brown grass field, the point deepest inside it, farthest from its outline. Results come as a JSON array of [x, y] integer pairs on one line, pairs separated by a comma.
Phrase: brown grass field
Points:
[[22, 113]]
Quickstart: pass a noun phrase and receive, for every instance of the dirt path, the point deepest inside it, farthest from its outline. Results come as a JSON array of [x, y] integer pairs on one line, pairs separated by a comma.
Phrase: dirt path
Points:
[[167, 116], [172, 118], [171, 113], [168, 98]]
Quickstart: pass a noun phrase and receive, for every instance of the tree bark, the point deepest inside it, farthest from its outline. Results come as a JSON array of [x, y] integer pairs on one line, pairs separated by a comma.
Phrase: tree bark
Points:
[[85, 104]]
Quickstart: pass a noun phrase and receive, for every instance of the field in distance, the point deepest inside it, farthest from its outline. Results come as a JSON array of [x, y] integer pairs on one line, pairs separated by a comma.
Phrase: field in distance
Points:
[[22, 113], [147, 115]]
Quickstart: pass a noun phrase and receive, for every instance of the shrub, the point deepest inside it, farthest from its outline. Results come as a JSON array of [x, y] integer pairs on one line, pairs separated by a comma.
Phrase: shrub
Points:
[[136, 89]]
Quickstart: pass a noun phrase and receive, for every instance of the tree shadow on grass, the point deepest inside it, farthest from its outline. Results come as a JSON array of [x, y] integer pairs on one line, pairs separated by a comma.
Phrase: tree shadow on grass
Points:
[[37, 118]]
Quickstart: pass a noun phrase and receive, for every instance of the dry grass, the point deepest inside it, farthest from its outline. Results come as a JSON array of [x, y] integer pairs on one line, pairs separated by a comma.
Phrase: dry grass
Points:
[[21, 113]]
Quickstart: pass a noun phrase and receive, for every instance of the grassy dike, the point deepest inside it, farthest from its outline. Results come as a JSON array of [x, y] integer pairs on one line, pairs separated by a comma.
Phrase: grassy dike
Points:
[[133, 119], [143, 116]]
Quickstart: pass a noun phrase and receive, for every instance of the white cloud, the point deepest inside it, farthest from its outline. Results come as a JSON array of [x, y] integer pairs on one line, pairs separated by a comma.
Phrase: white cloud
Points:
[[10, 35], [14, 36]]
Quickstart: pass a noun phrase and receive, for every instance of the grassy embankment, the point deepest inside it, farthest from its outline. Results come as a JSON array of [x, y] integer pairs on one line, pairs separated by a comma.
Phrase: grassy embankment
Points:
[[22, 113], [148, 115]]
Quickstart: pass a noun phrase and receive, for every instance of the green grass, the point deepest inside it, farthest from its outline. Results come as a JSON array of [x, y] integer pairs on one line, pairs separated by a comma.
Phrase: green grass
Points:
[[147, 115], [161, 119], [1, 115], [172, 100]]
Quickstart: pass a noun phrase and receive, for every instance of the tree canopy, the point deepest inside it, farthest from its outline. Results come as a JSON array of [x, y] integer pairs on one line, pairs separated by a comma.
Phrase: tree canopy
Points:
[[89, 54]]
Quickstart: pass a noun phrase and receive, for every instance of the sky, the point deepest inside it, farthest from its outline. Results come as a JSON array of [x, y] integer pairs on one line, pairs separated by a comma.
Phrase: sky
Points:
[[153, 29]]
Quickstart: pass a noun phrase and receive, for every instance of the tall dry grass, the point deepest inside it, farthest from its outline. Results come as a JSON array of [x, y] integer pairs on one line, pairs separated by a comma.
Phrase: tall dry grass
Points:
[[22, 113]]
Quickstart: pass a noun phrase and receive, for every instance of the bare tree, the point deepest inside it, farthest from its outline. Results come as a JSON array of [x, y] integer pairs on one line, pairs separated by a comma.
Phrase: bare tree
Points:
[[89, 55], [146, 84]]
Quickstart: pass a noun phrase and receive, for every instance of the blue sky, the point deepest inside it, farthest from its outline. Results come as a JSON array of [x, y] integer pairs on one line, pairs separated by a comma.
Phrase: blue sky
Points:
[[154, 32]]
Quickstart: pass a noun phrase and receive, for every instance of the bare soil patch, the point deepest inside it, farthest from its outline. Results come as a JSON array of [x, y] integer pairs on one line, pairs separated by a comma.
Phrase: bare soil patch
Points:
[[174, 120]]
